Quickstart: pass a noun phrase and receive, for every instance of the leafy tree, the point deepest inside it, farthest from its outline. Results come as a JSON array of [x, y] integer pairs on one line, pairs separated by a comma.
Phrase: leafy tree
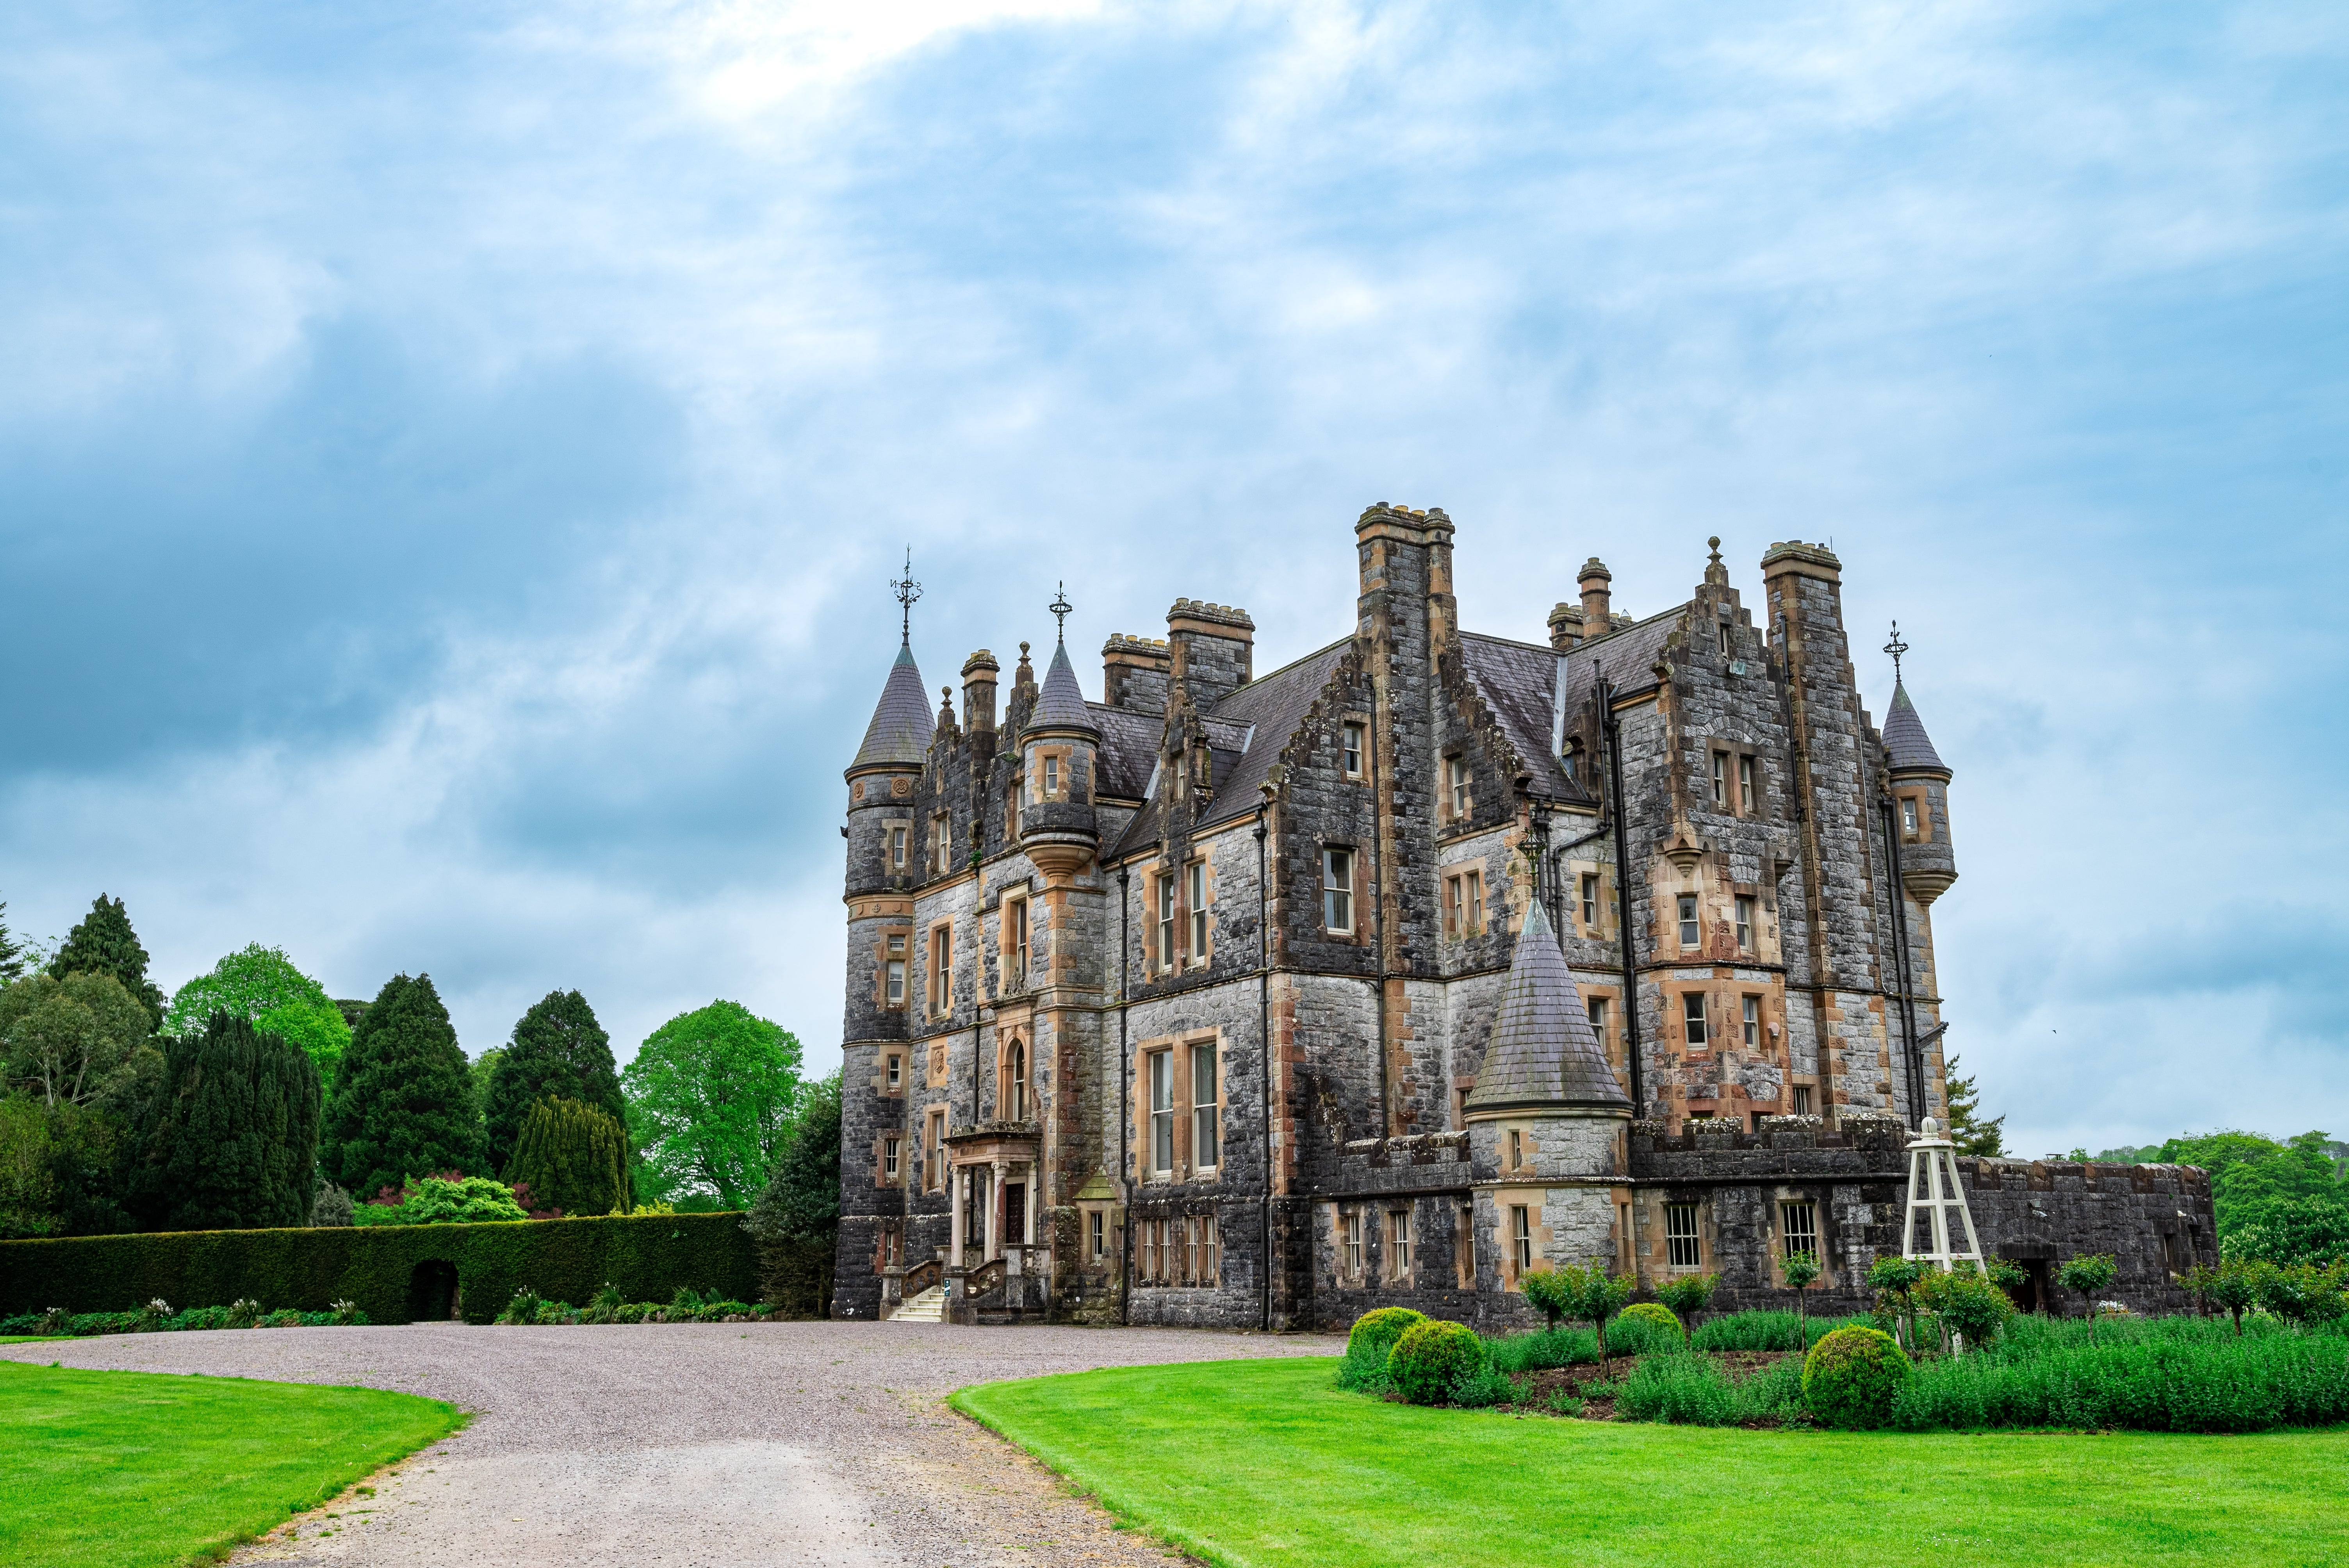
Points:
[[235, 1143], [1545, 1290], [1687, 1296], [558, 1051], [573, 1159], [261, 985], [71, 1041], [57, 1169], [1802, 1273], [450, 1198], [2281, 1229], [796, 1220], [2233, 1287], [2088, 1274], [1895, 1281], [1971, 1131], [710, 1095], [403, 1097], [1597, 1296], [104, 944]]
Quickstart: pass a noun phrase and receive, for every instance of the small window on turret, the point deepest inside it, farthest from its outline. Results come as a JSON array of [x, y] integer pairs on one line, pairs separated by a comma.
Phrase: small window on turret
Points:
[[897, 848], [1909, 816]]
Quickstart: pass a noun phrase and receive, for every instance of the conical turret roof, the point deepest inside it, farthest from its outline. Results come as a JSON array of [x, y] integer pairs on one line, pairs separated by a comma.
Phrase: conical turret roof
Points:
[[1061, 704], [1543, 1053], [902, 726], [1906, 747]]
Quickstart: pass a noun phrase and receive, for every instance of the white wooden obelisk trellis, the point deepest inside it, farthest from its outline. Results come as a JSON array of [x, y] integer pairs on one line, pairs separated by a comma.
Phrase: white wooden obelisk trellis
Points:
[[1935, 1192]]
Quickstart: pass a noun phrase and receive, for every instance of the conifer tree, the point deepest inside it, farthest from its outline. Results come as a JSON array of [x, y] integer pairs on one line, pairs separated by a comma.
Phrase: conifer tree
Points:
[[11, 952], [403, 1102], [1972, 1132], [572, 1158], [105, 943], [235, 1138], [558, 1051]]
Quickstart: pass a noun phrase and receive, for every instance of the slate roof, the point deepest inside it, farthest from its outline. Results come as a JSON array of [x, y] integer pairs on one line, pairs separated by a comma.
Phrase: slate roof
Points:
[[1626, 655], [1543, 1052], [1906, 744], [1517, 682], [902, 725], [1128, 751], [1269, 710], [1061, 704]]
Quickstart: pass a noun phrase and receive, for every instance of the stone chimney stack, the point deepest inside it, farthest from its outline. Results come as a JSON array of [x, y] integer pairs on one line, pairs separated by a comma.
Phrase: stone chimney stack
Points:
[[1597, 621], [1566, 627], [1211, 649], [1134, 672], [979, 672]]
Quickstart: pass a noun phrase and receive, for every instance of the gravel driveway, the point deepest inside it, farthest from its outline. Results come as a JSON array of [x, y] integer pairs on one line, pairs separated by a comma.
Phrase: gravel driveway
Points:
[[693, 1445]]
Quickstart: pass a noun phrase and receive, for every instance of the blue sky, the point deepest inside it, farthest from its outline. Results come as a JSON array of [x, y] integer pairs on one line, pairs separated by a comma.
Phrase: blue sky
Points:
[[454, 457]]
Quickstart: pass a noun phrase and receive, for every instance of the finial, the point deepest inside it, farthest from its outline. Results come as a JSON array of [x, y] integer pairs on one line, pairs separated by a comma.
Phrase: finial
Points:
[[1059, 606], [1896, 647], [906, 590], [1715, 543]]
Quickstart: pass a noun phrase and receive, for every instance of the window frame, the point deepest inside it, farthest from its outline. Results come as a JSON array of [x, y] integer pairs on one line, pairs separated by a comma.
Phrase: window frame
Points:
[[1350, 1222], [1746, 784], [1353, 739], [894, 1069], [1398, 1248], [1338, 889], [1745, 906], [1788, 1232], [1750, 1021], [1162, 919], [900, 835], [1720, 779], [1690, 917], [1799, 1097], [1521, 1239], [1590, 906], [1015, 958], [1694, 1021], [1459, 799], [1160, 1065], [889, 1159], [941, 970], [1194, 876], [1678, 1243], [1015, 1061], [1594, 1013], [933, 1168], [1051, 768], [1208, 1117], [1096, 1235], [895, 968]]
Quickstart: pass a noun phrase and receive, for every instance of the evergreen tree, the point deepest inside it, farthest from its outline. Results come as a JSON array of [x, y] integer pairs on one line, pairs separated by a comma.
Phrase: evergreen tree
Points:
[[573, 1158], [558, 1051], [105, 943], [1968, 1128], [234, 1144], [11, 952], [796, 1220], [403, 1102]]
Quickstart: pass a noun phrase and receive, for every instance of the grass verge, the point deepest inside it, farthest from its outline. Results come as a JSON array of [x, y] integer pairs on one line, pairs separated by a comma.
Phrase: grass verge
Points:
[[134, 1468], [1258, 1463]]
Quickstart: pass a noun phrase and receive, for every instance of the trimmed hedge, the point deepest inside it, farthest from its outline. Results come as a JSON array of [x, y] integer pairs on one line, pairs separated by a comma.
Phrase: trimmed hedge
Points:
[[383, 1268]]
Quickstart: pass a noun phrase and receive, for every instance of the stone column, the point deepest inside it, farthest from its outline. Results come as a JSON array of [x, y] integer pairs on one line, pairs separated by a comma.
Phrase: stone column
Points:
[[994, 1206], [955, 1224]]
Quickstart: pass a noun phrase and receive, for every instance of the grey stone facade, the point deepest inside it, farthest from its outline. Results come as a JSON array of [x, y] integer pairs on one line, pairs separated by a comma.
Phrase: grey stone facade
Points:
[[1226, 1000]]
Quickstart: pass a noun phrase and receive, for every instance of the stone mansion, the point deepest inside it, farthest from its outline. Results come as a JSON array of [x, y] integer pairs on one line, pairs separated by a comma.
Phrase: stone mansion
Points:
[[1258, 1000]]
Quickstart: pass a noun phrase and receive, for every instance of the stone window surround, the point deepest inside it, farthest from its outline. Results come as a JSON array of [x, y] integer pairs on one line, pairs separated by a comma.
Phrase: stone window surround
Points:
[[937, 990], [1506, 1197], [1063, 770], [1185, 1168], [1006, 982], [1005, 1039], [934, 1120], [1359, 872], [1457, 773], [1909, 795], [1464, 915], [1398, 1263], [1354, 734], [1738, 755]]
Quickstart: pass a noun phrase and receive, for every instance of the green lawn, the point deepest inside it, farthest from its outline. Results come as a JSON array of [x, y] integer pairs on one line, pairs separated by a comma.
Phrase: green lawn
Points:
[[1264, 1462], [135, 1467]]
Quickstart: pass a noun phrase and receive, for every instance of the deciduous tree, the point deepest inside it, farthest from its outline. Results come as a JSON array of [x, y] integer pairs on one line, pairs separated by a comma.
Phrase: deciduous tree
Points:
[[70, 1041], [403, 1099], [710, 1097], [260, 984]]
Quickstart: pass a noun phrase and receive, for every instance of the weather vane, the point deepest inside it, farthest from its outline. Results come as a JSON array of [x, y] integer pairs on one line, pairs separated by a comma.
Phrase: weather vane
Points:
[[906, 590], [1896, 647], [1059, 606]]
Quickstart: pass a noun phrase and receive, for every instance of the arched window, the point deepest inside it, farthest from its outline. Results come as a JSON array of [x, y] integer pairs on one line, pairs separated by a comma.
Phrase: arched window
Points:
[[1015, 1087]]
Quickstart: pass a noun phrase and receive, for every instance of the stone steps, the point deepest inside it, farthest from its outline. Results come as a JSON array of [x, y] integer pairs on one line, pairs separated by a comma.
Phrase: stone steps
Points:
[[927, 1307]]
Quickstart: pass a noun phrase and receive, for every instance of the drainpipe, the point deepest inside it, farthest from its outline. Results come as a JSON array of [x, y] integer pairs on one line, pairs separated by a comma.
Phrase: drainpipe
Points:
[[1916, 1074], [1613, 730], [1264, 1050], [1378, 908], [1125, 1108]]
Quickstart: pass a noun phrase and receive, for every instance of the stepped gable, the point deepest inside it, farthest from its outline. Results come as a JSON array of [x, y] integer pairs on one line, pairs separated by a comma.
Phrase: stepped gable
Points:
[[902, 726], [1518, 682], [1543, 1055]]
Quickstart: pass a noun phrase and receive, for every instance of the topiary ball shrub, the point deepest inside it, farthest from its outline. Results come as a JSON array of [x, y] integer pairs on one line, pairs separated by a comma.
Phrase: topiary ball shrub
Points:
[[1375, 1332], [1647, 1326], [1851, 1376], [1433, 1358]]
